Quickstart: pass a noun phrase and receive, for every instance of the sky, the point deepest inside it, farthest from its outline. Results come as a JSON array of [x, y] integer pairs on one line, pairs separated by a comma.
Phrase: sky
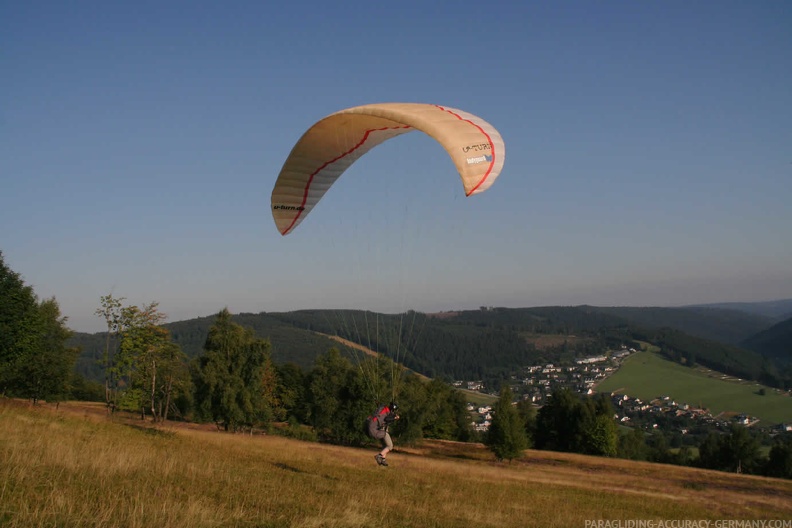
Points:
[[648, 154]]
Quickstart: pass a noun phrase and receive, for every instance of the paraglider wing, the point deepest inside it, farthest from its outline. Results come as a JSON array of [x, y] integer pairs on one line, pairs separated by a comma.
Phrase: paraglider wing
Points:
[[330, 147]]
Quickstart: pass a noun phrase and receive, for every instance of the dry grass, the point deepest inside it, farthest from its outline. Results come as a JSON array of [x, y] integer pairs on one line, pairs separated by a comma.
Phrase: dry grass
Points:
[[74, 467]]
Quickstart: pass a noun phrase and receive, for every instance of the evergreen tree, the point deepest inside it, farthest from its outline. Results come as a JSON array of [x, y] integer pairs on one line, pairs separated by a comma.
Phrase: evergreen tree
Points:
[[506, 437], [559, 421]]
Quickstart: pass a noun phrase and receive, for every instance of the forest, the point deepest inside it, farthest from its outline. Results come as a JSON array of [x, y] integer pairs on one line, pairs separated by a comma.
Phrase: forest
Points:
[[490, 344]]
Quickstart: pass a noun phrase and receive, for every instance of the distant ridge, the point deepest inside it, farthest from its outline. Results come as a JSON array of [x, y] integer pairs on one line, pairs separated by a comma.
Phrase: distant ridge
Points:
[[724, 325], [778, 310]]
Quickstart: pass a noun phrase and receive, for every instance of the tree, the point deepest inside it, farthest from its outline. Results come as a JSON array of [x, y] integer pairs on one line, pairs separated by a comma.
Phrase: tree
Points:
[[736, 451], [527, 413], [506, 436], [558, 422], [632, 445], [431, 409], [413, 398], [569, 423], [709, 452], [83, 389], [110, 310], [290, 393], [234, 378], [35, 362], [44, 372], [444, 413], [135, 366], [741, 451], [601, 436], [175, 384], [19, 321], [458, 408], [779, 464], [598, 434], [144, 370], [338, 403]]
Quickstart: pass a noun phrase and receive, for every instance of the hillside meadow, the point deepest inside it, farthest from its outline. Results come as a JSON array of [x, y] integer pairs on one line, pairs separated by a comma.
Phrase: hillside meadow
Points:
[[646, 375], [75, 466]]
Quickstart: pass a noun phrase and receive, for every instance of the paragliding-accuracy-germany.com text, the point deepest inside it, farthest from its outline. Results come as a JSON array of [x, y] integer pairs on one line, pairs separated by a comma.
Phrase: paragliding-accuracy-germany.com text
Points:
[[688, 523]]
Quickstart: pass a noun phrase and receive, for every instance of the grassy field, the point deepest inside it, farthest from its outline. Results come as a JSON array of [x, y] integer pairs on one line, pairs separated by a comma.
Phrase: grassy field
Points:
[[77, 467], [478, 398], [545, 341], [646, 375]]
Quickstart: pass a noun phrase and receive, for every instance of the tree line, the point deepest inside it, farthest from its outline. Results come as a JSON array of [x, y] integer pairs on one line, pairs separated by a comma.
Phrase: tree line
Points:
[[235, 384], [569, 422]]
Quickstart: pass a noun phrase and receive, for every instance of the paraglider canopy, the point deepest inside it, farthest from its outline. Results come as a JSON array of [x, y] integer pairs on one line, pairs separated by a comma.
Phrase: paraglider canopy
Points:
[[331, 145]]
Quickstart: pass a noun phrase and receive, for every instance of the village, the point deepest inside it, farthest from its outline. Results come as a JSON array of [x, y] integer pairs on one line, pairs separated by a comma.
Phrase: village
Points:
[[537, 382]]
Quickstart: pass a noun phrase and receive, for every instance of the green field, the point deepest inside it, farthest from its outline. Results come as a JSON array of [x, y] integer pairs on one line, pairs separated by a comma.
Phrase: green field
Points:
[[646, 375], [478, 398]]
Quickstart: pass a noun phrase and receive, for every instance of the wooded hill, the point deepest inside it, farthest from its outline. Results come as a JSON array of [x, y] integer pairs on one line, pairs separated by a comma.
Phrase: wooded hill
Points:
[[723, 325], [492, 343], [775, 342], [778, 310]]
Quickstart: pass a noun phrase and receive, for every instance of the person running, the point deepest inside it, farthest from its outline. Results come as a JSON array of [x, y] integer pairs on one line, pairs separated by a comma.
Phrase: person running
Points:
[[378, 429]]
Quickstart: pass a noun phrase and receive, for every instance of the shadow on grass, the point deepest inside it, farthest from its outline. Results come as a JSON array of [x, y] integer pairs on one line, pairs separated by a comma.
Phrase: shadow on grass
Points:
[[281, 465], [694, 485], [151, 431], [287, 467]]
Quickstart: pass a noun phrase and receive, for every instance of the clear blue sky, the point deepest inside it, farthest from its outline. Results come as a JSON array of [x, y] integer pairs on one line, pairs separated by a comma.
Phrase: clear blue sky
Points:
[[648, 154]]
